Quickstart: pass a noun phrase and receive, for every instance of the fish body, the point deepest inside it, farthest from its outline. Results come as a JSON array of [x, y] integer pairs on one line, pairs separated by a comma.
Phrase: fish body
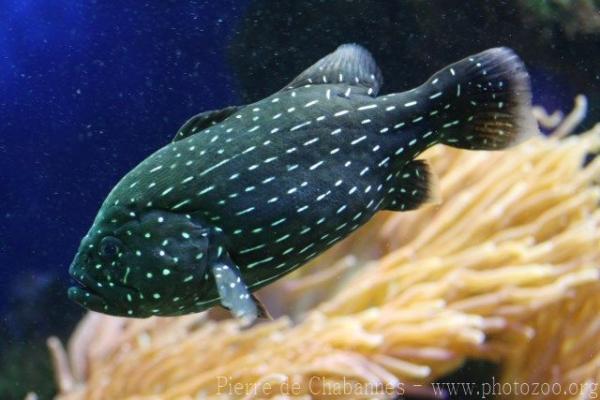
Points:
[[245, 195]]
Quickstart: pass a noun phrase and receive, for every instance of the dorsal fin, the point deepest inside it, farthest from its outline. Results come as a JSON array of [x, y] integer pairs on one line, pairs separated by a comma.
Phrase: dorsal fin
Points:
[[349, 64], [204, 120]]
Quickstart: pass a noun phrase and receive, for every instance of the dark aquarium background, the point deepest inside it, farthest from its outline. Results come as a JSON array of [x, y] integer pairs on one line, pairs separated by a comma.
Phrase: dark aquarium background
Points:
[[89, 88]]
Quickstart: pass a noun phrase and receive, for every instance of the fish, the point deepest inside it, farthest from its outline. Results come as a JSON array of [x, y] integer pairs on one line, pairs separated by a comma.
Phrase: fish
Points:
[[246, 194]]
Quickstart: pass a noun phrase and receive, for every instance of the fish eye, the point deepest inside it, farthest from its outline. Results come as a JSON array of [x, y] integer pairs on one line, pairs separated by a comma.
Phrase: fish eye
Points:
[[109, 247]]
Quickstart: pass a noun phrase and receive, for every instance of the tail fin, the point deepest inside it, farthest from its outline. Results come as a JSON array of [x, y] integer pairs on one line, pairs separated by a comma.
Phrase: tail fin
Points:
[[482, 102]]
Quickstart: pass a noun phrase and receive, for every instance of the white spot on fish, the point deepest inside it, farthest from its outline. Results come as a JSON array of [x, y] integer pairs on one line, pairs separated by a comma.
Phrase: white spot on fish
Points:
[[225, 161], [302, 125], [279, 222], [246, 211], [206, 190], [252, 265], [360, 139], [311, 141], [180, 204], [316, 165], [282, 238], [251, 249], [288, 251], [322, 196], [383, 162], [367, 107]]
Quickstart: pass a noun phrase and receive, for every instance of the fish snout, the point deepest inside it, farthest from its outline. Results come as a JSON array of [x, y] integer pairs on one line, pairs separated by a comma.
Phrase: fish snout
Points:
[[86, 290]]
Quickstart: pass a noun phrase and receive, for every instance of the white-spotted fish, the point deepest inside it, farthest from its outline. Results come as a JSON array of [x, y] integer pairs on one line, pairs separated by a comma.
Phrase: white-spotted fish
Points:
[[245, 195]]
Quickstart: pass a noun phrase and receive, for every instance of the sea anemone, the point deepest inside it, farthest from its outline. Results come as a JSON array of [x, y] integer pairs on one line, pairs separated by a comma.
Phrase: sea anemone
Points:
[[506, 267]]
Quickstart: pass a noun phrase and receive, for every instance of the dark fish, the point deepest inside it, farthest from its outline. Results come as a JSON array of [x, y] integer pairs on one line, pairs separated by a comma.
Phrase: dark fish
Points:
[[245, 195]]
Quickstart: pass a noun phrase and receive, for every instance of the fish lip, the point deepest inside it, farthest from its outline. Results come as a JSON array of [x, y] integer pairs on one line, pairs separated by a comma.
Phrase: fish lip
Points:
[[83, 292], [87, 294], [86, 298], [84, 284], [83, 280]]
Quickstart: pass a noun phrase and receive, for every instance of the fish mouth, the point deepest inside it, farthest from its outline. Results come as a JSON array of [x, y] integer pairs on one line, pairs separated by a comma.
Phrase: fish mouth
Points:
[[84, 293], [89, 294], [86, 298]]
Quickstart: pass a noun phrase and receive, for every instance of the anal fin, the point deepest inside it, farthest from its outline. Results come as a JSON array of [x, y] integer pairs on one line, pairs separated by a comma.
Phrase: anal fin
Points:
[[414, 186]]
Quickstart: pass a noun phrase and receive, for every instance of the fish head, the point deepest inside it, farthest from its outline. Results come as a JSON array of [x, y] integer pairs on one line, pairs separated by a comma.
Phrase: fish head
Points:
[[141, 264]]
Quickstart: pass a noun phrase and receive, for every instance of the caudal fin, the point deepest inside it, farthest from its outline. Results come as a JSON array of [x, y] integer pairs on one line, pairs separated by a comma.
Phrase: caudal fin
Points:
[[482, 102]]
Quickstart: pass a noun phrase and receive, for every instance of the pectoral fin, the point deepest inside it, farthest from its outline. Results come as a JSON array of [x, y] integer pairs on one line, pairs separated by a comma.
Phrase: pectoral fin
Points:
[[204, 120], [233, 292], [414, 186]]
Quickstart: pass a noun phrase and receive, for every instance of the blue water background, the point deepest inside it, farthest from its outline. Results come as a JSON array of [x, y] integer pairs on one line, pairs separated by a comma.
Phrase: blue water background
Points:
[[87, 90], [90, 88]]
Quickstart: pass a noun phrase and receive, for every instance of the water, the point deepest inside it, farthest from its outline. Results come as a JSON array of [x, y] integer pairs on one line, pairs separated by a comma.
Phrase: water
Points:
[[88, 90]]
